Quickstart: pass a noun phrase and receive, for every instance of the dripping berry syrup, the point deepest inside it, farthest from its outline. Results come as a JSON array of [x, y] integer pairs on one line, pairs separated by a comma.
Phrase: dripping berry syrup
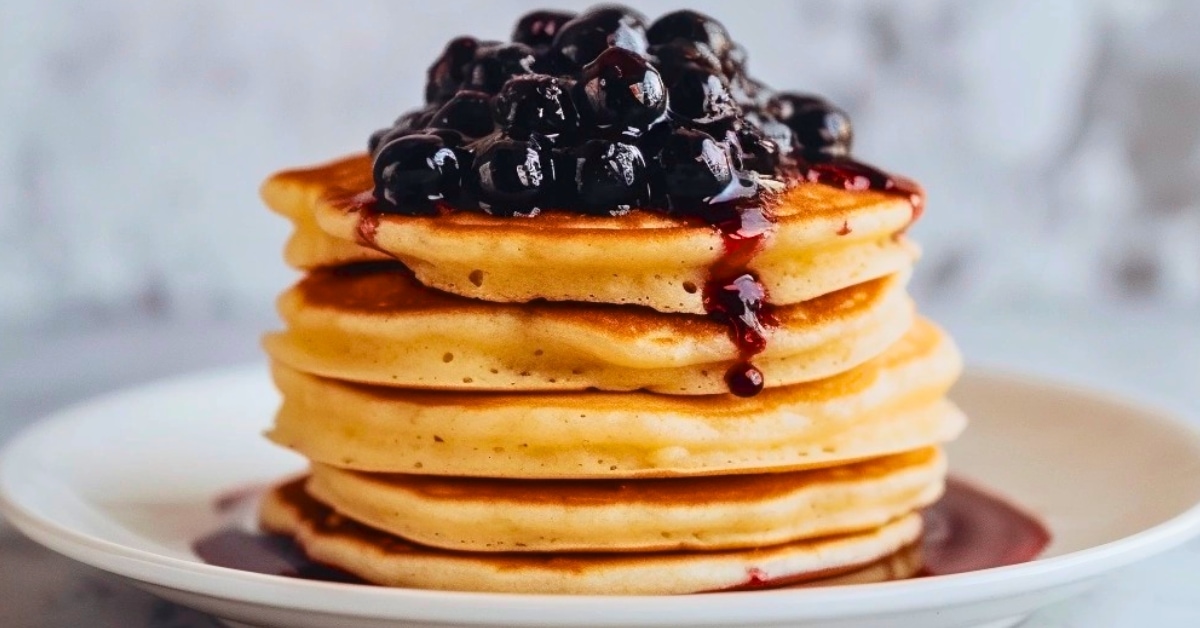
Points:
[[365, 230], [744, 379], [755, 577], [736, 298], [366, 206], [856, 176]]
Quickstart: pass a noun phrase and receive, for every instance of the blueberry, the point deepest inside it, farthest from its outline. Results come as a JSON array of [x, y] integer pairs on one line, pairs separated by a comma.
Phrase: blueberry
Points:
[[621, 90], [734, 61], [409, 123], [610, 177], [670, 59], [449, 137], [699, 95], [552, 63], [764, 126], [448, 72], [415, 119], [691, 26], [759, 151], [495, 65], [653, 139], [822, 131], [694, 167], [583, 39], [535, 103], [511, 176], [749, 93], [598, 112], [380, 138], [537, 29], [376, 140], [469, 113], [413, 170]]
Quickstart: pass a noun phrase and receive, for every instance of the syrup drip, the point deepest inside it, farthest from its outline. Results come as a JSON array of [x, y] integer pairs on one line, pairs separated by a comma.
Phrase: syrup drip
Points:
[[856, 176], [734, 296], [967, 530], [365, 205], [755, 577]]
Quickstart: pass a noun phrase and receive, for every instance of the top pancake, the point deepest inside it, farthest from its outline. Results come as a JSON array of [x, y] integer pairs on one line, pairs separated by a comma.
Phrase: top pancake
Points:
[[824, 239]]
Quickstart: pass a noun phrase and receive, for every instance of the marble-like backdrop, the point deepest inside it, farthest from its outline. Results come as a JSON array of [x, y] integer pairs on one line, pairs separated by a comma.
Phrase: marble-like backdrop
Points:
[[1060, 141]]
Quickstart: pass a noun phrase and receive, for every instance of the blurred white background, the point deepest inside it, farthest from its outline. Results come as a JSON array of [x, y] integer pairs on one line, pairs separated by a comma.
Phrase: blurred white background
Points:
[[1059, 141]]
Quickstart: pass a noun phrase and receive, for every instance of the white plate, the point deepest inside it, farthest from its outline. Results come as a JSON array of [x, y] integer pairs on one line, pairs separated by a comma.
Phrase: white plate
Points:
[[126, 482]]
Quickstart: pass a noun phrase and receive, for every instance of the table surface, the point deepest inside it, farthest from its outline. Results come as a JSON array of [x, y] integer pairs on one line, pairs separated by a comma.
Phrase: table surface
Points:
[[1147, 355]]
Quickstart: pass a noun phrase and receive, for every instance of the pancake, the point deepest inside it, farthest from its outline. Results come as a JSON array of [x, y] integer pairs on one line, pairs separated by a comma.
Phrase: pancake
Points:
[[709, 513], [824, 239], [307, 242], [698, 370], [376, 324], [903, 564], [387, 560], [891, 404]]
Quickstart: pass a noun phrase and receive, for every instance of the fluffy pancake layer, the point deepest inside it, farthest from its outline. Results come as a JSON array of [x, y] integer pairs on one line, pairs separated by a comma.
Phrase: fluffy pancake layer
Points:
[[388, 560], [376, 324], [890, 404], [825, 239], [709, 513], [539, 405]]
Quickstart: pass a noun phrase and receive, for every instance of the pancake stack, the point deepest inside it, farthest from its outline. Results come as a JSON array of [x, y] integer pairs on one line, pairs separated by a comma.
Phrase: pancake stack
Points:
[[560, 403]]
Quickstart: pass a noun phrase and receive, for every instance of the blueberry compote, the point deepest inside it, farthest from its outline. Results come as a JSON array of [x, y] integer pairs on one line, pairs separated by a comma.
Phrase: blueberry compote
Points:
[[603, 112]]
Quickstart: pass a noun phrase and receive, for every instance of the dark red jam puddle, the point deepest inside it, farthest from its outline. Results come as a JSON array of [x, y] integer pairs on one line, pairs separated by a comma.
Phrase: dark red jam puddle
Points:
[[970, 529], [967, 530], [269, 554]]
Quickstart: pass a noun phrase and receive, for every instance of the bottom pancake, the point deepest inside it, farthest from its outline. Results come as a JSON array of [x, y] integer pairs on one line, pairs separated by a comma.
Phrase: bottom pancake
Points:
[[387, 560], [705, 513], [901, 565]]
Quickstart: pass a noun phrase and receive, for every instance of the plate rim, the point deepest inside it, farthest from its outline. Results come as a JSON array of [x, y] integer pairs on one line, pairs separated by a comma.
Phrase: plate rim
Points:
[[382, 603]]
